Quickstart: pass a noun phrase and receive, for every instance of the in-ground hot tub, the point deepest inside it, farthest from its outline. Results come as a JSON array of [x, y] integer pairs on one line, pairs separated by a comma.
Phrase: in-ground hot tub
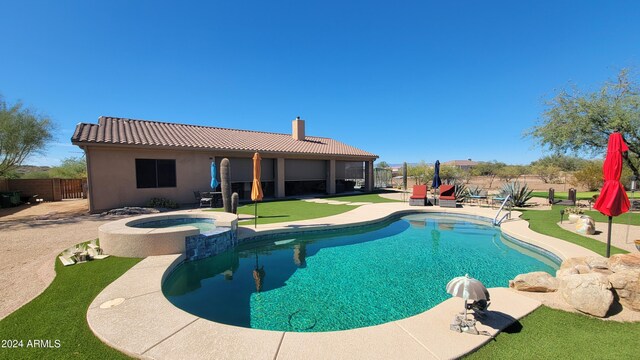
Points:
[[197, 234]]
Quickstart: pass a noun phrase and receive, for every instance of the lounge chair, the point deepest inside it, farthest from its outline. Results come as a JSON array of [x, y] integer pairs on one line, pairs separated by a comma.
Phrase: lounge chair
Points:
[[419, 197], [95, 252], [203, 199], [66, 258], [447, 196]]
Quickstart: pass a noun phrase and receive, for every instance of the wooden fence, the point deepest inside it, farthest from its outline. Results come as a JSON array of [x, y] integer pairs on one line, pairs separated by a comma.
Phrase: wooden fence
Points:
[[48, 189], [72, 188]]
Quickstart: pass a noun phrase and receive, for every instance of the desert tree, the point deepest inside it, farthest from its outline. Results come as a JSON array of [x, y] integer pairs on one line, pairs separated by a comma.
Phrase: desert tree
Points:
[[23, 132]]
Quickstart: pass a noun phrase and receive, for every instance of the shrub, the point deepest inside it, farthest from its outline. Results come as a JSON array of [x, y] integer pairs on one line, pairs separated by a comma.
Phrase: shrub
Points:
[[574, 210], [590, 176], [519, 194], [162, 203]]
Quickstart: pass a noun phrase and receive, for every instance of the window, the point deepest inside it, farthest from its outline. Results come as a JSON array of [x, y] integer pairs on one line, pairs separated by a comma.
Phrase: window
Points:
[[152, 173]]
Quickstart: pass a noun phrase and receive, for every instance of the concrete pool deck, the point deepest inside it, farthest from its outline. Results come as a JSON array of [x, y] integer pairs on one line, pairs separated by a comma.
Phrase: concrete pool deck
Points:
[[133, 316]]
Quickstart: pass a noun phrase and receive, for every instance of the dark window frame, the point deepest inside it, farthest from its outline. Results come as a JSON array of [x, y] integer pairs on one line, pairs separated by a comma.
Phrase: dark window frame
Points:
[[155, 173]]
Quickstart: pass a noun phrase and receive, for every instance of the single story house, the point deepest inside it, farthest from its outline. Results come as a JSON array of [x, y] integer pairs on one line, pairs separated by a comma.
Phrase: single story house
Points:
[[131, 161]]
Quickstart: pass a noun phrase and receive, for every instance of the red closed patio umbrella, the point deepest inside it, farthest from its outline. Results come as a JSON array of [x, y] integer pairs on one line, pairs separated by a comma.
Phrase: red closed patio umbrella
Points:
[[613, 200]]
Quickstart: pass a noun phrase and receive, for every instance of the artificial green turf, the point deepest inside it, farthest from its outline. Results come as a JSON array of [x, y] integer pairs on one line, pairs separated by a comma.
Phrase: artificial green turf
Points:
[[554, 334], [59, 313], [563, 195], [291, 210], [632, 218], [271, 212], [545, 222], [372, 198]]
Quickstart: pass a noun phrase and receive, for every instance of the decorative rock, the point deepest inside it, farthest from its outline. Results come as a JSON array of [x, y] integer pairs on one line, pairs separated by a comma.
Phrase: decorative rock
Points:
[[623, 262], [130, 210], [597, 262], [602, 271], [588, 293], [583, 269], [633, 300], [566, 272], [585, 225], [621, 279], [572, 262], [573, 218], [538, 281], [627, 285]]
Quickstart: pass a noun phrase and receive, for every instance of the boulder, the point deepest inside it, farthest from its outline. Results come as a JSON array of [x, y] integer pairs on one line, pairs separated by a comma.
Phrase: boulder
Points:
[[588, 293], [538, 281], [566, 272], [627, 286], [633, 300], [624, 262], [585, 225], [583, 269], [597, 262], [602, 271], [573, 262]]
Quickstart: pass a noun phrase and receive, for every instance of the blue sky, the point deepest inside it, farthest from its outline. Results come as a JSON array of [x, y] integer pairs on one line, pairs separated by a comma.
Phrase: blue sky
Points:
[[409, 81]]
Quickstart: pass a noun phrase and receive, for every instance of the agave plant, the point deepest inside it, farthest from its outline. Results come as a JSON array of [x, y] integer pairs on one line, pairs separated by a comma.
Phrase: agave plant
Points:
[[474, 190], [519, 194], [461, 191]]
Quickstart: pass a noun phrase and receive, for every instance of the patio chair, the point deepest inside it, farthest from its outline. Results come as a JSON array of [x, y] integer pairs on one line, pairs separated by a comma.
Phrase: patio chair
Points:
[[202, 199], [419, 196], [447, 196], [481, 196]]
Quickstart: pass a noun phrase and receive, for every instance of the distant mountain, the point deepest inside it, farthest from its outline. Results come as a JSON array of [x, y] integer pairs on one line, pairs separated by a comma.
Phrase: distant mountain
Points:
[[26, 169]]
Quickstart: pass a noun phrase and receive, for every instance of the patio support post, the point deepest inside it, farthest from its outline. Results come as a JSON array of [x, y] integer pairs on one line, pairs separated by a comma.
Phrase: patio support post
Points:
[[331, 176], [279, 178], [368, 175]]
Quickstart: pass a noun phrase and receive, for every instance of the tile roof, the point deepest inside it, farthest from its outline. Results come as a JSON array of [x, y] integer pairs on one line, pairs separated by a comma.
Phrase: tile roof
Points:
[[121, 131]]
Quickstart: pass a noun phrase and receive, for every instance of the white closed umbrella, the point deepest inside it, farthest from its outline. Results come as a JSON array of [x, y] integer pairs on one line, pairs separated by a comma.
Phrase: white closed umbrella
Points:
[[467, 288]]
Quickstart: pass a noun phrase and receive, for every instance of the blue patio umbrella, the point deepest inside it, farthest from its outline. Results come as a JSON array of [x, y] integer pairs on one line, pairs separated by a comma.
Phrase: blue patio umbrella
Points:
[[214, 181], [436, 176]]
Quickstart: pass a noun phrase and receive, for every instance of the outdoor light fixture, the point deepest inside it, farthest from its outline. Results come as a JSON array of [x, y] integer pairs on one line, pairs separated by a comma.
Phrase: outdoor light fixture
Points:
[[561, 215]]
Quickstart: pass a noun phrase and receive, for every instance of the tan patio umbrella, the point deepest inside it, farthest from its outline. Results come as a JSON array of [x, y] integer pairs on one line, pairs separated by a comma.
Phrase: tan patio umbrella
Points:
[[256, 187]]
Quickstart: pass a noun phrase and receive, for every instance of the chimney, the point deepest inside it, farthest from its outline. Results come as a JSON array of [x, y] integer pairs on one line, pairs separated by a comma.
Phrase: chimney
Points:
[[298, 129]]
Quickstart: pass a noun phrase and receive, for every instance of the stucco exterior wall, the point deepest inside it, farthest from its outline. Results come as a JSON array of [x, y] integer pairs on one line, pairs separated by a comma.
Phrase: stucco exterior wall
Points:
[[112, 174], [112, 177]]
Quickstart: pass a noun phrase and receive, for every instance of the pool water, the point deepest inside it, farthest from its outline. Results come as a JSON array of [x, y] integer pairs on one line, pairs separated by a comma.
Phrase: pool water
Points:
[[203, 224], [347, 280]]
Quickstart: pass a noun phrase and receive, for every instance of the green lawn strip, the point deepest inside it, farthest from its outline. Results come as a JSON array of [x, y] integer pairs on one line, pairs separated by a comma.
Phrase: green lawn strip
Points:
[[271, 212], [563, 195], [291, 210], [545, 222], [632, 218], [554, 334], [59, 313]]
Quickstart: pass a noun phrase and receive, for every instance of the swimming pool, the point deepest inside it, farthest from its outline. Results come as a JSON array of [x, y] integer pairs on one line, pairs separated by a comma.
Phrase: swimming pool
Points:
[[348, 279]]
